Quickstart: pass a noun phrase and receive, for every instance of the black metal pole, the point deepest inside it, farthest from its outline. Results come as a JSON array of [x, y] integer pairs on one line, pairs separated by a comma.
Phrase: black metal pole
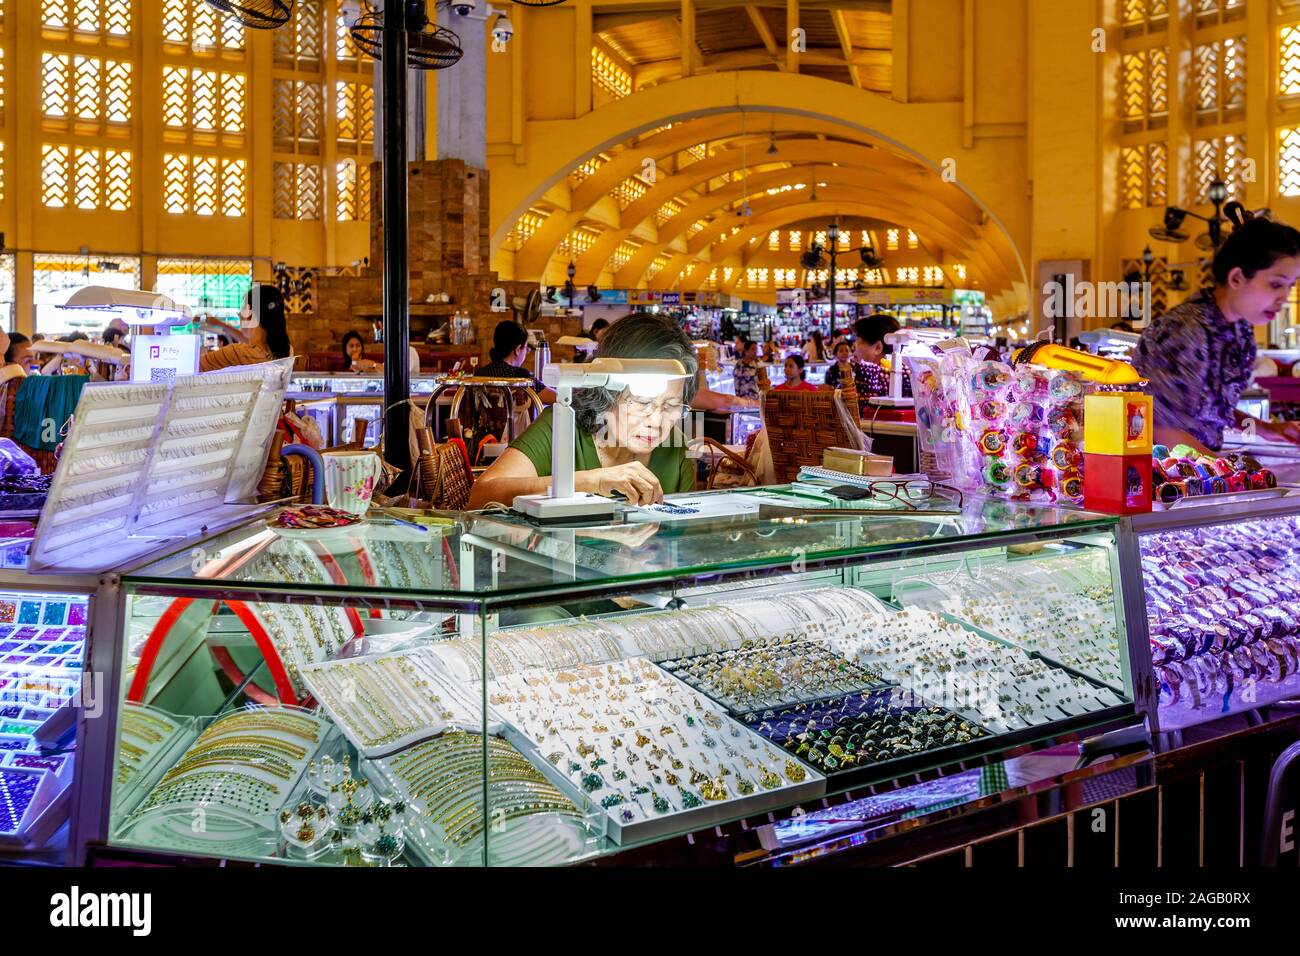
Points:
[[830, 285], [397, 323]]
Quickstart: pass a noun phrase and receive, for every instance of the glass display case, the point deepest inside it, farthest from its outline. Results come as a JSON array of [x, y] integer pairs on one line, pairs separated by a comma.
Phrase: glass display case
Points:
[[480, 690], [1219, 606]]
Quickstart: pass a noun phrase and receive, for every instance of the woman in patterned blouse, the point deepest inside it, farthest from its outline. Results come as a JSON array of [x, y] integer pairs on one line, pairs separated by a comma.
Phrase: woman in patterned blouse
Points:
[[1199, 356]]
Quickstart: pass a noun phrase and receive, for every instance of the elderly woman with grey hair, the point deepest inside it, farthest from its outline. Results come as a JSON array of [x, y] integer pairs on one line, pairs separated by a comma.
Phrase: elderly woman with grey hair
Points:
[[624, 443]]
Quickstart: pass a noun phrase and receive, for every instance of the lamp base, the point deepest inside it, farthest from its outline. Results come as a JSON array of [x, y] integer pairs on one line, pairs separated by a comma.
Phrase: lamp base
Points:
[[578, 507], [893, 402]]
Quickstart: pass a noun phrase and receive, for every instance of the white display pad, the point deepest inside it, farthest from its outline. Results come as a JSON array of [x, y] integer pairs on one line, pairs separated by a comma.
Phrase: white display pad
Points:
[[200, 435], [150, 463]]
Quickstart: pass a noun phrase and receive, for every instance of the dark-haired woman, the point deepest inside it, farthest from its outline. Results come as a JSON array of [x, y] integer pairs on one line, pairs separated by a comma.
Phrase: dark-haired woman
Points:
[[624, 443], [508, 355], [262, 320], [1200, 355], [814, 350], [18, 350]]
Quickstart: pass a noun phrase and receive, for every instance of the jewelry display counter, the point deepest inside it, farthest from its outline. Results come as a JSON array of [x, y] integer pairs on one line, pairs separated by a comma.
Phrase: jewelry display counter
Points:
[[485, 691], [1218, 607]]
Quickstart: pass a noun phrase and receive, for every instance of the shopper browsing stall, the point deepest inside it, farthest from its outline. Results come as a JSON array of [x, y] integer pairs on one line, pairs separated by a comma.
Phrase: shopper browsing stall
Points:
[[17, 351], [749, 374], [508, 354], [794, 382], [623, 444], [354, 356], [262, 320], [869, 348], [814, 350], [1200, 355]]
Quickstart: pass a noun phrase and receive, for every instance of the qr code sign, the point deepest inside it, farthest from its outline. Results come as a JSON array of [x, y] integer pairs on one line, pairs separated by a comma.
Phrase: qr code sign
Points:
[[167, 375]]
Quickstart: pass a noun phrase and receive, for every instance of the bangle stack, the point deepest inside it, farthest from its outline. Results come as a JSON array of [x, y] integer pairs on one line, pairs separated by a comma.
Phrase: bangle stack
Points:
[[1223, 614], [245, 764], [527, 819], [142, 733]]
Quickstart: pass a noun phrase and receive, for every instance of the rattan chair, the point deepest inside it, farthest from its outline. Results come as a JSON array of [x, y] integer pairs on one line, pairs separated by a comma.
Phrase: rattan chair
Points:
[[802, 425]]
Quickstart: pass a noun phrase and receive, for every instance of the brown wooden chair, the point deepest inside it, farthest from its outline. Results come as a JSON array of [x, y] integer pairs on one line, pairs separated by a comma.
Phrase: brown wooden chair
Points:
[[802, 425]]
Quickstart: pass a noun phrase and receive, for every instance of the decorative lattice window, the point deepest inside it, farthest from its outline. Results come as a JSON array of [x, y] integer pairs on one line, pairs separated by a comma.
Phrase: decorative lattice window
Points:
[[204, 185], [1288, 66], [726, 273], [625, 251], [200, 27], [300, 43], [111, 17], [891, 239], [208, 286], [296, 191], [660, 263], [796, 240], [55, 277], [774, 241], [345, 51], [2, 83], [1218, 158], [698, 151], [907, 275], [579, 241], [1144, 176], [203, 100], [2, 171], [608, 76], [696, 227], [85, 177], [353, 178], [1219, 79], [866, 238], [912, 241], [873, 276], [667, 211], [1144, 89], [354, 111], [297, 115], [959, 270], [756, 278], [628, 192], [525, 227], [85, 88], [1289, 162], [1143, 16], [932, 275], [585, 170], [785, 278], [1209, 12]]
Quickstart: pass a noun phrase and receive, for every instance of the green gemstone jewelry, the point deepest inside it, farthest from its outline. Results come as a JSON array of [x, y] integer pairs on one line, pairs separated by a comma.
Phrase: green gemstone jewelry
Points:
[[689, 800]]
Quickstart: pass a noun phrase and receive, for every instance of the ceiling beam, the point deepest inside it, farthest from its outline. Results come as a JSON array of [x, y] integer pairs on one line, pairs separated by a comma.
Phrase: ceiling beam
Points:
[[791, 24], [764, 31], [846, 41]]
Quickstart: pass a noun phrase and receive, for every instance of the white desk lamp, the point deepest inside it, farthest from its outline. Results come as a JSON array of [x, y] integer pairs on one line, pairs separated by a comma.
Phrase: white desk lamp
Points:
[[644, 378], [919, 342]]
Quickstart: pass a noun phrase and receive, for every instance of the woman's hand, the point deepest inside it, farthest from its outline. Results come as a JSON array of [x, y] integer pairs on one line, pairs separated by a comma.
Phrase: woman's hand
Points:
[[634, 481]]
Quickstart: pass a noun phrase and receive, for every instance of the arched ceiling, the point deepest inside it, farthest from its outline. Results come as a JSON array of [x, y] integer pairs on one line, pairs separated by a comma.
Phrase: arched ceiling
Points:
[[751, 172]]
